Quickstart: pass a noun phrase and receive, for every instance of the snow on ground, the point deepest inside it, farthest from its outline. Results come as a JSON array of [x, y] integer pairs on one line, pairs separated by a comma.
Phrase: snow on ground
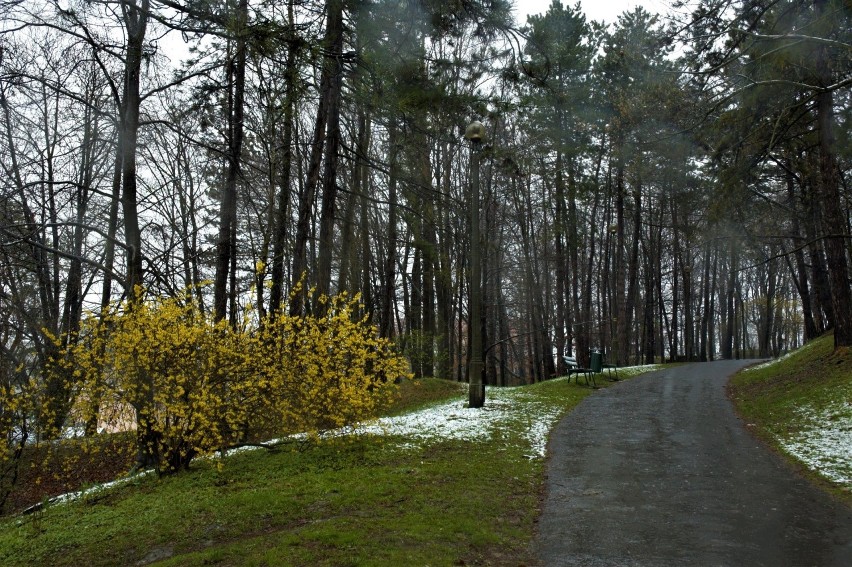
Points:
[[87, 492], [824, 444], [774, 361], [504, 408]]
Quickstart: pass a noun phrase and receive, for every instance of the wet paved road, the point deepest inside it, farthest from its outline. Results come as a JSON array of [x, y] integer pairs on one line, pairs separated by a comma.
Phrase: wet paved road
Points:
[[659, 470]]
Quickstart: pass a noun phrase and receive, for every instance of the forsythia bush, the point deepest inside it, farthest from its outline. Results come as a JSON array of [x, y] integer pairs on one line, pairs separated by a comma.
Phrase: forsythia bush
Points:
[[334, 369], [193, 386], [15, 404]]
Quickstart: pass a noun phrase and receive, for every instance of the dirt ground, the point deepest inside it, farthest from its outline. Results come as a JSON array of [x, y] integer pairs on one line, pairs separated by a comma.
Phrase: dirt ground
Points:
[[52, 469]]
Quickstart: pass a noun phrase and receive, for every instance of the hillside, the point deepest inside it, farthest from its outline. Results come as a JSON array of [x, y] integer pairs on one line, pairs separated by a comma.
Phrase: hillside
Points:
[[457, 486], [801, 404]]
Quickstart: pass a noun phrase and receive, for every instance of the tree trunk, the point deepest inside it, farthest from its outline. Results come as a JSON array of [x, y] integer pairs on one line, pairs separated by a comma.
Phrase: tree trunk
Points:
[[677, 270], [429, 254], [573, 242], [334, 68], [800, 274], [832, 205], [279, 239], [728, 338], [823, 309], [224, 294], [135, 21], [389, 291], [443, 280], [307, 191], [633, 272], [74, 290], [619, 295], [561, 261]]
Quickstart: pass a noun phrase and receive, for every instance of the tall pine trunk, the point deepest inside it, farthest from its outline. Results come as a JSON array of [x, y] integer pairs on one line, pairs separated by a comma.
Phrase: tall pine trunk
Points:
[[279, 239], [334, 67], [223, 293], [829, 191]]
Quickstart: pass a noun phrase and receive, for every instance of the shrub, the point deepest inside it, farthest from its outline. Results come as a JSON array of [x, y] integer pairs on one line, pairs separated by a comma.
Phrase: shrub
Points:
[[192, 386], [328, 371], [14, 404]]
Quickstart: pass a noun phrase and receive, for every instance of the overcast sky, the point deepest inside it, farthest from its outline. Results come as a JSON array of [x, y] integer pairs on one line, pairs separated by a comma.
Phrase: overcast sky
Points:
[[600, 10]]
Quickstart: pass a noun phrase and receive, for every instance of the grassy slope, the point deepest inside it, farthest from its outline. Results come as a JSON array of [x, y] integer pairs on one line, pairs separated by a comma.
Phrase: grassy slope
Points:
[[366, 501], [361, 502], [773, 397]]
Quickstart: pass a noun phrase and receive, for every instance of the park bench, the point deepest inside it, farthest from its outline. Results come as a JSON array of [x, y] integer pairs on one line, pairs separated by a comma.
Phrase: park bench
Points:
[[576, 370], [610, 369], [596, 366]]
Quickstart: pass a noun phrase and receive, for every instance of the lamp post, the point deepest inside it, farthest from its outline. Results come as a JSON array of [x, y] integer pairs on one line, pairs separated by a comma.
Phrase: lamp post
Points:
[[612, 281], [687, 300], [475, 133]]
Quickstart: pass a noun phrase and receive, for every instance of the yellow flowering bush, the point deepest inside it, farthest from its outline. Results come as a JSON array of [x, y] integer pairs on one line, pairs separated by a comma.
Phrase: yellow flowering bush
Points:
[[191, 386], [14, 406], [331, 371]]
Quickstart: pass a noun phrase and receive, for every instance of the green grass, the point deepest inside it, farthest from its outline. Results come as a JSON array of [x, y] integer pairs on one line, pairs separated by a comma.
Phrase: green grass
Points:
[[360, 501], [417, 394], [371, 500], [357, 503], [789, 401]]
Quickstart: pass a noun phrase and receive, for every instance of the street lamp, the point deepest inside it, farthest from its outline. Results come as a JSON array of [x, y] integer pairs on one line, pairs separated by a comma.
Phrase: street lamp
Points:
[[687, 299], [475, 133]]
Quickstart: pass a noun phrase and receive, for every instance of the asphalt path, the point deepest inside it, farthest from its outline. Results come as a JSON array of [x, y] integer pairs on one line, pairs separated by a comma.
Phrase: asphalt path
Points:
[[659, 470]]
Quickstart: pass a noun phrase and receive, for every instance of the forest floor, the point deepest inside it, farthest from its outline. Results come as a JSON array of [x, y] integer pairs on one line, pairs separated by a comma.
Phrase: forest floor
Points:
[[49, 470]]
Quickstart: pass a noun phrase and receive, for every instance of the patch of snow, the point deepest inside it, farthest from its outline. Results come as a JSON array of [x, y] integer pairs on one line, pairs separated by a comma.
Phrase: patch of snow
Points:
[[773, 361], [505, 409], [88, 492], [628, 371], [824, 444]]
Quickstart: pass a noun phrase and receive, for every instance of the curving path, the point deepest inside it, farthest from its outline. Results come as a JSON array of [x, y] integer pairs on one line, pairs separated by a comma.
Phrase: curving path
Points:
[[659, 470]]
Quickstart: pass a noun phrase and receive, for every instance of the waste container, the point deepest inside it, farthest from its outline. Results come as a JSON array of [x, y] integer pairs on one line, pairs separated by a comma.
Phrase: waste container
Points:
[[596, 362]]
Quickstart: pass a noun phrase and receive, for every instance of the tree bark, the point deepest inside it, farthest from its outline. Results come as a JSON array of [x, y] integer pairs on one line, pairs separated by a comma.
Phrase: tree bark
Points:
[[389, 291], [279, 240], [334, 83], [223, 294], [800, 273], [135, 21], [561, 260], [728, 338], [633, 271], [619, 295], [832, 204]]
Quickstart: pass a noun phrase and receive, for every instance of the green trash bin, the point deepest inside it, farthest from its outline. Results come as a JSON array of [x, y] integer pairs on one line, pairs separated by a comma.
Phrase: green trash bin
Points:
[[596, 363]]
